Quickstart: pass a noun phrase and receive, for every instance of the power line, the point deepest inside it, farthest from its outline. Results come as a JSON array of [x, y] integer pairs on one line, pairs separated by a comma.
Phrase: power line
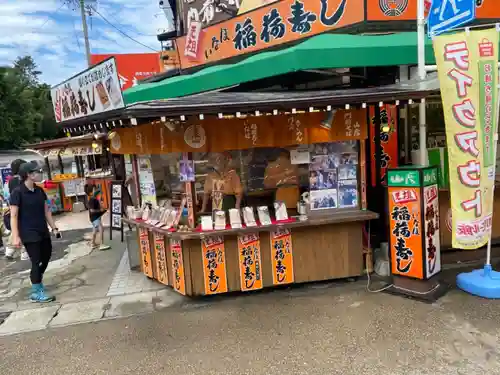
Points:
[[126, 27], [122, 32]]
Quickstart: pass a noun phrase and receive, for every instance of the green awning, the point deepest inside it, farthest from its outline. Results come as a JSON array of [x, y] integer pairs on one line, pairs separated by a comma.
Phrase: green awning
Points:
[[326, 51]]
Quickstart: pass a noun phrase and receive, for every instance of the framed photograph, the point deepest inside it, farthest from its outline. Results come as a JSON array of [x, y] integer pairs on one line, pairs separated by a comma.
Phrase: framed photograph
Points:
[[323, 199], [116, 221], [348, 193], [348, 172], [116, 206], [117, 191], [186, 171]]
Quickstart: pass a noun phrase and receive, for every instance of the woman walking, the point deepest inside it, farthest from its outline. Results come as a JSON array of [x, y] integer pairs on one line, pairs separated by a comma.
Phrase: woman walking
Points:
[[29, 218]]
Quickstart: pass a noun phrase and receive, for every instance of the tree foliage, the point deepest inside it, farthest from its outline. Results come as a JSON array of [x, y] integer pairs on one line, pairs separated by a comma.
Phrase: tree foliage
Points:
[[26, 114]]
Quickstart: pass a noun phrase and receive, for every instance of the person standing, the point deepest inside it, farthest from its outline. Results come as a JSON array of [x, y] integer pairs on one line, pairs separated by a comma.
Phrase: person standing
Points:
[[30, 215], [14, 182], [95, 217]]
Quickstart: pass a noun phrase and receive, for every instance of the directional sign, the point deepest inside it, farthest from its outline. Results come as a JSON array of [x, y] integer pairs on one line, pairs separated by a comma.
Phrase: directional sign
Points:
[[449, 14]]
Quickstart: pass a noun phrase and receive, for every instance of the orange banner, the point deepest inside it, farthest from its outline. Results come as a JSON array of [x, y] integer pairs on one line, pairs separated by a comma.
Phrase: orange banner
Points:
[[214, 264], [406, 10], [250, 262], [147, 267], [282, 22], [178, 266], [388, 141], [211, 135], [406, 231], [281, 256], [161, 259]]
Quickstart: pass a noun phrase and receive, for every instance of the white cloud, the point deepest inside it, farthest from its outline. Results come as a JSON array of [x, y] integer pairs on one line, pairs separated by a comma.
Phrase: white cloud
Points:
[[52, 33]]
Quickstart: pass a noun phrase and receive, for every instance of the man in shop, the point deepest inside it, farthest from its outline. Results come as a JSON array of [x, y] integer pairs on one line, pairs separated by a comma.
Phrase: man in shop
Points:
[[222, 185], [30, 217], [282, 175]]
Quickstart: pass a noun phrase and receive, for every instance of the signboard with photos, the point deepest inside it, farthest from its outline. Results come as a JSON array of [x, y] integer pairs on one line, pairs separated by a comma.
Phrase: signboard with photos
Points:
[[116, 207], [95, 90]]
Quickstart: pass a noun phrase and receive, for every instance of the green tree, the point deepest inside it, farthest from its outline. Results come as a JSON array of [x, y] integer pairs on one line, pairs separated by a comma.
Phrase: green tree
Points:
[[26, 114]]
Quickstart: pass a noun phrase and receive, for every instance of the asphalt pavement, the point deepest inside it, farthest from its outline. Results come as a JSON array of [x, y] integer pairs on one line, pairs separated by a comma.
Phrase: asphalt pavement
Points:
[[337, 329]]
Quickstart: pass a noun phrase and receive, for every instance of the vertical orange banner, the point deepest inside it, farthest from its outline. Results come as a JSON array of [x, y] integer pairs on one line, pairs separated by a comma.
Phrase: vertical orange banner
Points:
[[178, 266], [214, 264], [161, 258], [388, 141], [250, 262], [406, 231], [362, 167], [281, 256], [147, 267]]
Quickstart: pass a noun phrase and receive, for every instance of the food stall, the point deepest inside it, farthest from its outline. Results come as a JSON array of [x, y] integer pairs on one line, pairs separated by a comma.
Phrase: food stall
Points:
[[69, 163], [277, 200]]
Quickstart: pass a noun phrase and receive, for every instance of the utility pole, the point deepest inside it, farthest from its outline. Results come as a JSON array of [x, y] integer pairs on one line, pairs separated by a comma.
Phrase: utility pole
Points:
[[85, 31], [421, 76]]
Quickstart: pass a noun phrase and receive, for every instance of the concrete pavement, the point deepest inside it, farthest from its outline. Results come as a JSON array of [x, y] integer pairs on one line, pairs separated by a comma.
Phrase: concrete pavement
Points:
[[337, 329]]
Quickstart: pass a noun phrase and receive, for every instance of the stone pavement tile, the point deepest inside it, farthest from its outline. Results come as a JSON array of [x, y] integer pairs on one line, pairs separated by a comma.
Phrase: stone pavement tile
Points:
[[167, 297], [131, 304], [8, 306], [28, 320], [80, 312]]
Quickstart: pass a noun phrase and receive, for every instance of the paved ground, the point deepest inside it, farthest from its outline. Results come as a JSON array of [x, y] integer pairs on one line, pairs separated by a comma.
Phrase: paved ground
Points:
[[330, 330]]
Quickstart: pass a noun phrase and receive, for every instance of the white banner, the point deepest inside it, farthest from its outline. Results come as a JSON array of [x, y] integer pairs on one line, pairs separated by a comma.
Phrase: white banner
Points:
[[93, 91]]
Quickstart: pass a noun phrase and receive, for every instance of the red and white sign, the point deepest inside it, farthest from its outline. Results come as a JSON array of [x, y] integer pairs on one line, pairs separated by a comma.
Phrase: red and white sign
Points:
[[193, 40], [132, 67]]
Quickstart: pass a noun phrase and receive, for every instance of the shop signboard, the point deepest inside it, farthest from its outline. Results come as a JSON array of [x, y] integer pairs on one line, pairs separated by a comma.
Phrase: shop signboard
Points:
[[214, 265], [132, 67], [431, 224], [282, 256], [210, 135], [250, 262], [144, 247], [270, 26], [406, 10], [414, 222], [95, 90], [388, 141], [467, 69], [179, 281], [161, 259]]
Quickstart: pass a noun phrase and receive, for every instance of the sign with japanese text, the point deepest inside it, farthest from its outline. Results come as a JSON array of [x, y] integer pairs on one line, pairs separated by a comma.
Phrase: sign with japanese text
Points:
[[145, 250], [214, 264], [192, 47], [132, 67], [431, 225], [179, 281], [406, 231], [250, 262], [388, 141], [93, 91], [281, 256], [281, 22], [211, 135], [403, 177], [468, 76], [161, 259]]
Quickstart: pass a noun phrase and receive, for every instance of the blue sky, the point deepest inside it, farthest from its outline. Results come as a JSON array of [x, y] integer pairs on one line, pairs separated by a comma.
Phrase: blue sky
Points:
[[51, 32]]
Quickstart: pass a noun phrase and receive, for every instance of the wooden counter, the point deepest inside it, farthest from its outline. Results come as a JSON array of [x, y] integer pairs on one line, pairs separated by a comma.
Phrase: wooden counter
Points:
[[320, 248]]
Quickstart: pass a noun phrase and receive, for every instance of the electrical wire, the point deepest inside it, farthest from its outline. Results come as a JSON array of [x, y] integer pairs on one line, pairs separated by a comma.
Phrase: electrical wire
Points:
[[122, 32], [126, 27]]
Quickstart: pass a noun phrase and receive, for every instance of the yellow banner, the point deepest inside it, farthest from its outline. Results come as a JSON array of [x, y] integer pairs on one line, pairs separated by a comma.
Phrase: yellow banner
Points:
[[468, 76]]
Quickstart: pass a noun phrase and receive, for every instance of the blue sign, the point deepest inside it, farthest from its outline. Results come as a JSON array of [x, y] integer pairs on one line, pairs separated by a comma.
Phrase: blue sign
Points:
[[445, 15]]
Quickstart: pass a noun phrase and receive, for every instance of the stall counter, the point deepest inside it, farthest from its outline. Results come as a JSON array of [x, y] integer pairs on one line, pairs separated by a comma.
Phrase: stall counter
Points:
[[204, 263]]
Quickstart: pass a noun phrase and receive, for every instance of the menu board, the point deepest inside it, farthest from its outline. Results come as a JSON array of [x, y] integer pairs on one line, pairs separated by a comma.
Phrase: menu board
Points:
[[74, 187], [116, 204], [333, 175]]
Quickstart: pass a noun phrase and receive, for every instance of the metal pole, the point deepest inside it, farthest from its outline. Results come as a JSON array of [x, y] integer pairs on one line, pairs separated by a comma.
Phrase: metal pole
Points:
[[495, 139], [85, 31], [421, 75]]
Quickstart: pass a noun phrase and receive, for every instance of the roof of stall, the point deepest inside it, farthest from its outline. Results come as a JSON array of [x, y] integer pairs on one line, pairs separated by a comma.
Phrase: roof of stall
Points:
[[66, 141]]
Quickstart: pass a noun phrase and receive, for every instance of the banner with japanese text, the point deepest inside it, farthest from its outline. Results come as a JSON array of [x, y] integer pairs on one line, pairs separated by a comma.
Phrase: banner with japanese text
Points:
[[250, 262], [468, 76], [214, 264]]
